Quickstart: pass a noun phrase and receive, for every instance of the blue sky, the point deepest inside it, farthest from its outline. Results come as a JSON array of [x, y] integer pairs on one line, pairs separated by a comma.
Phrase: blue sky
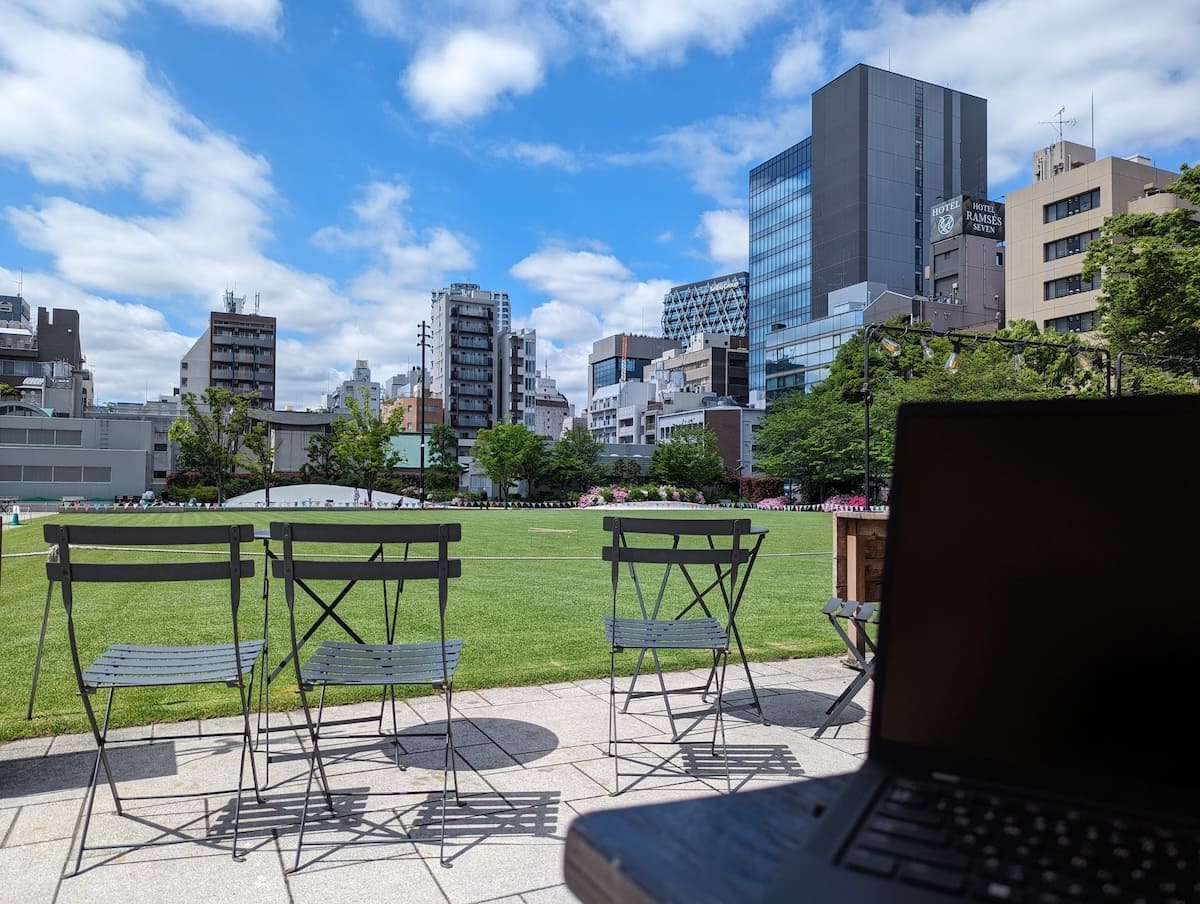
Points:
[[343, 158]]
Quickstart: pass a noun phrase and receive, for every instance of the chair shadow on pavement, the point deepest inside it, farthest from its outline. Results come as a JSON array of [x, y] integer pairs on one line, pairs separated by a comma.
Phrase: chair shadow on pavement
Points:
[[791, 707], [409, 814], [28, 776]]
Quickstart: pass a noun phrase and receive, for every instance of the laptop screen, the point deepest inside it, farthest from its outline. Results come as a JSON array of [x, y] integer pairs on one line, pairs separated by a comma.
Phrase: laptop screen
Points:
[[1040, 606]]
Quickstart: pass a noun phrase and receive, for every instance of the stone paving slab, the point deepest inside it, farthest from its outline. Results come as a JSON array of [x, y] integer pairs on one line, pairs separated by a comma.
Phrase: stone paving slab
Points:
[[529, 761]]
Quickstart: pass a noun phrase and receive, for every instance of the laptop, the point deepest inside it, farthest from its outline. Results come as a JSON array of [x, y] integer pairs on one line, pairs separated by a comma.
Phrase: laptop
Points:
[[1033, 734]]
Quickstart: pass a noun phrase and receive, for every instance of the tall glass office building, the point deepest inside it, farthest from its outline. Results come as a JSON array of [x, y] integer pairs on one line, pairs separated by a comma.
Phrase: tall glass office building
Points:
[[849, 206], [780, 262]]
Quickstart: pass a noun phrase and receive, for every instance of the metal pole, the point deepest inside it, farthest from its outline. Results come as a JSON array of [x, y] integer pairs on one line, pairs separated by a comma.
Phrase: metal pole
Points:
[[866, 391], [1120, 358], [424, 344]]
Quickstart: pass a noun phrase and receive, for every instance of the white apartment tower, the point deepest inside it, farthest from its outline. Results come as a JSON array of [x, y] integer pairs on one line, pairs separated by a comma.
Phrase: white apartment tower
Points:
[[465, 354]]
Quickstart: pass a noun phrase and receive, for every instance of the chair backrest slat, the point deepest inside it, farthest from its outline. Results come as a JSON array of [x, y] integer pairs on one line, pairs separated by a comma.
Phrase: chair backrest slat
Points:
[[363, 570], [678, 526], [146, 572], [327, 532], [677, 556], [147, 535]]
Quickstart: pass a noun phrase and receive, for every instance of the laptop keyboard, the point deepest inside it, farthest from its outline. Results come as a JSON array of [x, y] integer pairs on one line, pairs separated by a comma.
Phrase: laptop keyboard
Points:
[[983, 845]]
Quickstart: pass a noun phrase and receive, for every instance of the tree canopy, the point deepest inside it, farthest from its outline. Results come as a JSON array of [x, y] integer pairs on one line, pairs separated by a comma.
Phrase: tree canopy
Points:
[[1150, 265], [362, 443], [817, 439], [210, 433], [689, 458], [442, 470], [573, 458], [323, 465], [509, 452], [259, 457]]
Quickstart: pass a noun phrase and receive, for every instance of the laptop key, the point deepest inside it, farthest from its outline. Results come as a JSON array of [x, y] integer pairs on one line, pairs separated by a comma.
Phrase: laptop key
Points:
[[908, 850], [992, 890], [870, 862], [910, 830], [932, 876]]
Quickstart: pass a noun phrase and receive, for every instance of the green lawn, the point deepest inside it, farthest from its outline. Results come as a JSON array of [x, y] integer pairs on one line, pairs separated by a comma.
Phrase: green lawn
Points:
[[528, 605]]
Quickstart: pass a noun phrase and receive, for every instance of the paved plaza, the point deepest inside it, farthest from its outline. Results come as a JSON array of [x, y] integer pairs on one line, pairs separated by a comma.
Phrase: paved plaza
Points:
[[530, 759]]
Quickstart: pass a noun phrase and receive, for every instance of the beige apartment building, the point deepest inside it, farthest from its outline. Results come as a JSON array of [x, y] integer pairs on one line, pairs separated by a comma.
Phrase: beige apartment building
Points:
[[1051, 223]]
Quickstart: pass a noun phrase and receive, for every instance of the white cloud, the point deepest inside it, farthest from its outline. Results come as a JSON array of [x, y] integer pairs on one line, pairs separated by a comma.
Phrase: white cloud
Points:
[[71, 13], [540, 154], [401, 260], [727, 235], [470, 73], [129, 347], [251, 16], [717, 153], [591, 295], [799, 67], [665, 30], [1033, 58], [87, 117]]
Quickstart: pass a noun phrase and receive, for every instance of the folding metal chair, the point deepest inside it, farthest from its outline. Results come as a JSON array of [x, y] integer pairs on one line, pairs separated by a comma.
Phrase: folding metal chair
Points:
[[305, 561], [139, 665], [842, 612], [666, 548]]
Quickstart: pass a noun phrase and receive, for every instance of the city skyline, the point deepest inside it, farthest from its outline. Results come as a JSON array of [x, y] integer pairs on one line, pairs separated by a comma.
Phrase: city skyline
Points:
[[345, 160]]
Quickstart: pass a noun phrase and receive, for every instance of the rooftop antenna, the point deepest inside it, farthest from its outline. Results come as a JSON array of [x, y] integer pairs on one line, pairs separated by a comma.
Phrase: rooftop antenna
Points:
[[1059, 122], [256, 301]]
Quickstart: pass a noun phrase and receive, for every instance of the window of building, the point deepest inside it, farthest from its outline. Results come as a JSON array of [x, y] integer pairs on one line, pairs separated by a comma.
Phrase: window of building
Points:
[[12, 436], [10, 473], [1073, 323], [160, 475], [68, 437], [999, 258], [97, 475], [1072, 244], [1070, 285], [41, 437], [1068, 207], [67, 474], [160, 447], [38, 473]]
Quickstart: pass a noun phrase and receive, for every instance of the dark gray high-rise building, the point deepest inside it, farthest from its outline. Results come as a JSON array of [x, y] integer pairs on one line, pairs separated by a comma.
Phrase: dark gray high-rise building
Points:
[[849, 205]]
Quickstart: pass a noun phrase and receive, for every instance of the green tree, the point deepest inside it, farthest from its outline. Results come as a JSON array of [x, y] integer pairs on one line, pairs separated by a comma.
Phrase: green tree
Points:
[[323, 465], [688, 458], [625, 471], [259, 457], [442, 470], [815, 439], [362, 443], [507, 453], [8, 392], [818, 438], [1150, 266], [210, 433], [573, 458]]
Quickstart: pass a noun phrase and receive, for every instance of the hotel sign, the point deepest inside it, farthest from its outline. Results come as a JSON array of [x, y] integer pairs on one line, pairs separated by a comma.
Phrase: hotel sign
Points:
[[965, 215]]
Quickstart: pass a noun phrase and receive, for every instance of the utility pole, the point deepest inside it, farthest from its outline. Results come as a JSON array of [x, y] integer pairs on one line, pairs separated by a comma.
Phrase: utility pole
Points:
[[423, 344]]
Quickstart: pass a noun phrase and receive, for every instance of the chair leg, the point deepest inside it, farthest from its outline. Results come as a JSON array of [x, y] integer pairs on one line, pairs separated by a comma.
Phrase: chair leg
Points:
[[247, 751], [637, 672], [84, 820], [662, 683], [612, 723], [448, 765], [314, 760], [720, 722]]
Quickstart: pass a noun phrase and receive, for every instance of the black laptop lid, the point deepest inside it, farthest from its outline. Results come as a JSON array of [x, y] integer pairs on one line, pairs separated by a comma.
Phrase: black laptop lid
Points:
[[1040, 604]]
